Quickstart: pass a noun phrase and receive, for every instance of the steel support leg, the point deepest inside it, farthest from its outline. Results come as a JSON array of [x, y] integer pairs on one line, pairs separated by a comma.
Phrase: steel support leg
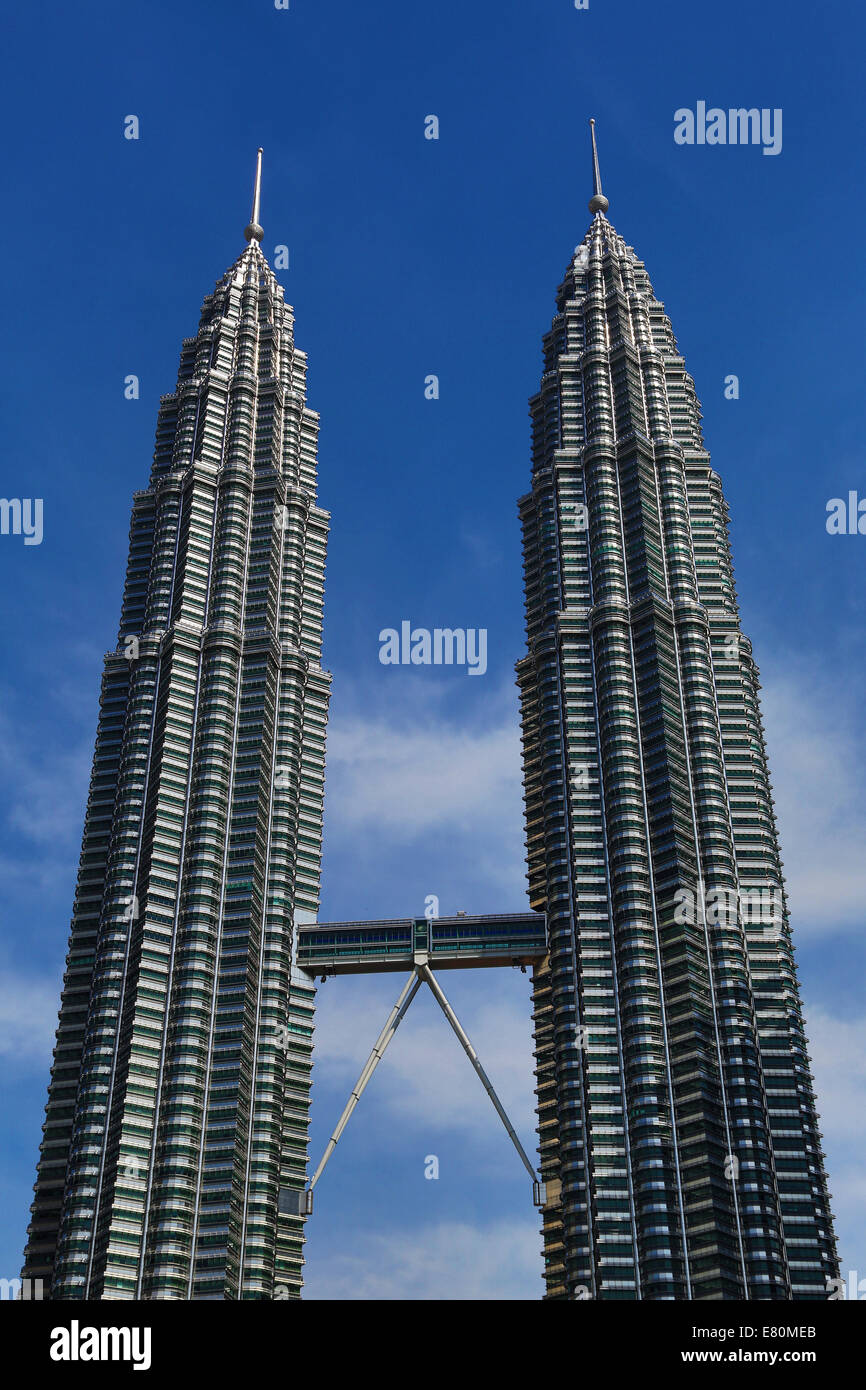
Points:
[[426, 973], [410, 989]]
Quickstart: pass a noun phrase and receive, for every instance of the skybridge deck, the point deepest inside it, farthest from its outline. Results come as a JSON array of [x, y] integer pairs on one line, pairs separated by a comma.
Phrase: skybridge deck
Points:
[[450, 943]]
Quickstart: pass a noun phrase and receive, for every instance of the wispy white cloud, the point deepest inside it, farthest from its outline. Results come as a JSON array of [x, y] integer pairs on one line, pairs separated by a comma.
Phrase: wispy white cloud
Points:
[[838, 1051], [44, 782], [28, 1018], [50, 798], [816, 746], [405, 776], [451, 1260], [43, 775], [422, 798]]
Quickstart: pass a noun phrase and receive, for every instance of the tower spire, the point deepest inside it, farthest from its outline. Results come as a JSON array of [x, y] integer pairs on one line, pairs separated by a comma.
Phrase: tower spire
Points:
[[598, 202], [254, 231]]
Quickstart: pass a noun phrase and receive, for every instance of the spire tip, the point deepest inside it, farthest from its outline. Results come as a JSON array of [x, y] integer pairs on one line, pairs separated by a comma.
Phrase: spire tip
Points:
[[255, 232], [598, 202]]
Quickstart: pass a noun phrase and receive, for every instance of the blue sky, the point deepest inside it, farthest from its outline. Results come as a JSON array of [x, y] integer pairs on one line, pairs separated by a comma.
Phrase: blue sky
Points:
[[410, 257]]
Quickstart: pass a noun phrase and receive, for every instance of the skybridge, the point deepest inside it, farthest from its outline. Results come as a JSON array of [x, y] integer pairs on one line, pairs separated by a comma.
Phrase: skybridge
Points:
[[417, 944], [450, 943]]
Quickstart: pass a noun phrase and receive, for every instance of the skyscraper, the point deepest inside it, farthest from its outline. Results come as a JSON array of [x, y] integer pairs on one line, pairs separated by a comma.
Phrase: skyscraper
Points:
[[678, 1134], [175, 1136]]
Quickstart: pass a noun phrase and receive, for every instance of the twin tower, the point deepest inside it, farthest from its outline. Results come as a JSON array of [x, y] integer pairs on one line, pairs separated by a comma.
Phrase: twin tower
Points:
[[679, 1150]]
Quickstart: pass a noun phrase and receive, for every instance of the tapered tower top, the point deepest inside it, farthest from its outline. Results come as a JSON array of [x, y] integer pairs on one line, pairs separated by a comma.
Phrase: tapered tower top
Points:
[[598, 202], [254, 231]]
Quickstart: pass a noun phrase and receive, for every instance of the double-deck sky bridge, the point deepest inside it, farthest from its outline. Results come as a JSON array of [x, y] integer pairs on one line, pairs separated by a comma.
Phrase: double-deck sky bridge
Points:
[[418, 944]]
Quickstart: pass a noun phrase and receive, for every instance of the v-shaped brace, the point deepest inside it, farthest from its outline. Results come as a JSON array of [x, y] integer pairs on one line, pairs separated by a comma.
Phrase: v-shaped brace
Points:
[[422, 974]]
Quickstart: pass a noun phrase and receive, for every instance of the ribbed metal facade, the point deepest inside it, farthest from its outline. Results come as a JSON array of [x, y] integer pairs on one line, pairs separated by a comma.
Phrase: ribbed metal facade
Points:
[[677, 1122], [179, 1094]]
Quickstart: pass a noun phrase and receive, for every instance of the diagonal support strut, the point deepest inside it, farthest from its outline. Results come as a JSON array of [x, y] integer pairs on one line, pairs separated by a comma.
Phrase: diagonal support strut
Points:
[[426, 973], [410, 989]]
